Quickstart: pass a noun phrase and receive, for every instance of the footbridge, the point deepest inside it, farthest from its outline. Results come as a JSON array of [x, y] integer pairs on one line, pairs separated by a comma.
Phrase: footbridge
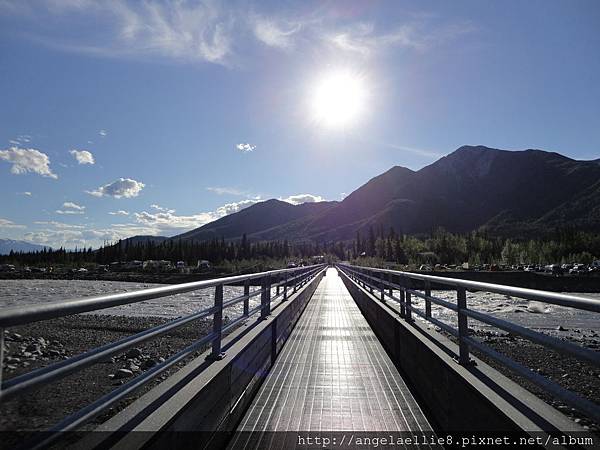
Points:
[[317, 356]]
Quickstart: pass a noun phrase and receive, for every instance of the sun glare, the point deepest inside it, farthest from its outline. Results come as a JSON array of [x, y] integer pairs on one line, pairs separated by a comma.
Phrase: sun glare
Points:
[[338, 99]]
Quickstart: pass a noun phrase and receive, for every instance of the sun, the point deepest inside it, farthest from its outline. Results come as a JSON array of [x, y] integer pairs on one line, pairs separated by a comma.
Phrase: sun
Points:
[[338, 99]]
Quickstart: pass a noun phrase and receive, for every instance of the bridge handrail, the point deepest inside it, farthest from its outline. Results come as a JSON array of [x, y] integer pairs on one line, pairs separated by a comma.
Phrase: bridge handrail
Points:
[[35, 312], [291, 280], [375, 278]]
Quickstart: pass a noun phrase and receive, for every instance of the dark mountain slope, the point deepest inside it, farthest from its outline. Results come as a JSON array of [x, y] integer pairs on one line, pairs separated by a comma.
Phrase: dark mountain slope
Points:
[[254, 219]]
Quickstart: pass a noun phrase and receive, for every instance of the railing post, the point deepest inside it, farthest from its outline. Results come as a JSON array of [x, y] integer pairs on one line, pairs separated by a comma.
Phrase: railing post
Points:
[[463, 326], [216, 353], [402, 302], [427, 301], [382, 275], [408, 311], [247, 297], [370, 274], [265, 297], [1, 355], [285, 286], [390, 281]]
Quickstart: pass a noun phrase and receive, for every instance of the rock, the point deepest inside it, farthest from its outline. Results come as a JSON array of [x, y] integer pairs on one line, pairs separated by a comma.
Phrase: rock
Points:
[[42, 341], [12, 360], [27, 354], [134, 353], [566, 375], [149, 363], [123, 373], [17, 337], [11, 367], [54, 353], [134, 368], [561, 328]]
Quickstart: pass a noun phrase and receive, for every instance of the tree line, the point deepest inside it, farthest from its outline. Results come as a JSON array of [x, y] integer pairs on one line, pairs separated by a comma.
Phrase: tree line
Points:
[[440, 246]]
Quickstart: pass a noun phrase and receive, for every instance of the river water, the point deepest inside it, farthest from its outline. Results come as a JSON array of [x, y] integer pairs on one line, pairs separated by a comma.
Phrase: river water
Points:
[[14, 293]]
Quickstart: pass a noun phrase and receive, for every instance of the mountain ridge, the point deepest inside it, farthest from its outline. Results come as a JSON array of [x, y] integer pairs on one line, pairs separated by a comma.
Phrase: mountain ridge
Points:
[[504, 192]]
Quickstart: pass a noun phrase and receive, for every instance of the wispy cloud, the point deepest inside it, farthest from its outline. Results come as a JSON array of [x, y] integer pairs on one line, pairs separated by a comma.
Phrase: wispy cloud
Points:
[[245, 148], [83, 156], [20, 140], [61, 225], [123, 187], [28, 160], [214, 32], [26, 193], [103, 133], [179, 29], [365, 40], [418, 151], [5, 223], [226, 191], [274, 33], [119, 213]]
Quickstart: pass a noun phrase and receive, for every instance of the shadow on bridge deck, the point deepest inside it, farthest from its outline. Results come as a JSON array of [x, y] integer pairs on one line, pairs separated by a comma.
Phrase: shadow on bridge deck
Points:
[[332, 375]]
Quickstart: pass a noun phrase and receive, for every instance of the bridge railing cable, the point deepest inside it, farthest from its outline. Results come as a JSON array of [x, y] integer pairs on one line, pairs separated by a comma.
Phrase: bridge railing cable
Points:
[[405, 283], [287, 281]]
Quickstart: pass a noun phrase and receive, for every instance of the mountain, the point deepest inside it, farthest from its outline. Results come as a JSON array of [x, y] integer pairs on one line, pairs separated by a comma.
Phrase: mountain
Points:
[[6, 245], [521, 193], [257, 218], [502, 191]]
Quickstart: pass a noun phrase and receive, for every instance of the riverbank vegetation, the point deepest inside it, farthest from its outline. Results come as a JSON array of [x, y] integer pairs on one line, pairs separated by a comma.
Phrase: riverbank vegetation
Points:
[[376, 246]]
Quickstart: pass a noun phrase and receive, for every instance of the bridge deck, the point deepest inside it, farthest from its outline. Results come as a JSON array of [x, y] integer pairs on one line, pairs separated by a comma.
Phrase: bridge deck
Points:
[[333, 375]]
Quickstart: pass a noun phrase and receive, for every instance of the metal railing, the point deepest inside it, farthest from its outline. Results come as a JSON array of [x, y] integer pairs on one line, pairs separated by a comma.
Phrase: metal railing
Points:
[[286, 281], [377, 281]]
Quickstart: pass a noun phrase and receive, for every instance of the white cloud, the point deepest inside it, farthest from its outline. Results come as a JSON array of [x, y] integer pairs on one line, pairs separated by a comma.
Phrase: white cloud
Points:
[[28, 160], [119, 213], [72, 205], [26, 193], [102, 133], [71, 208], [123, 187], [226, 191], [83, 156], [68, 212], [165, 221], [274, 33], [303, 198], [5, 223], [245, 148]]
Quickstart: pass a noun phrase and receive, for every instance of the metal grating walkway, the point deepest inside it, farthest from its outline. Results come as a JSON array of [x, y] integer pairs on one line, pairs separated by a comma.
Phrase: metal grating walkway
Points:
[[332, 375]]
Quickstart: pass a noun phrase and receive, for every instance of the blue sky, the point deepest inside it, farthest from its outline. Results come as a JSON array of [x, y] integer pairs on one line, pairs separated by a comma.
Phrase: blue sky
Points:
[[154, 117]]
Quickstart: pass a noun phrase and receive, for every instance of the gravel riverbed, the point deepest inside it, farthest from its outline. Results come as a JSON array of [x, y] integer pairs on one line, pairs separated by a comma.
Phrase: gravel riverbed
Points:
[[39, 344]]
